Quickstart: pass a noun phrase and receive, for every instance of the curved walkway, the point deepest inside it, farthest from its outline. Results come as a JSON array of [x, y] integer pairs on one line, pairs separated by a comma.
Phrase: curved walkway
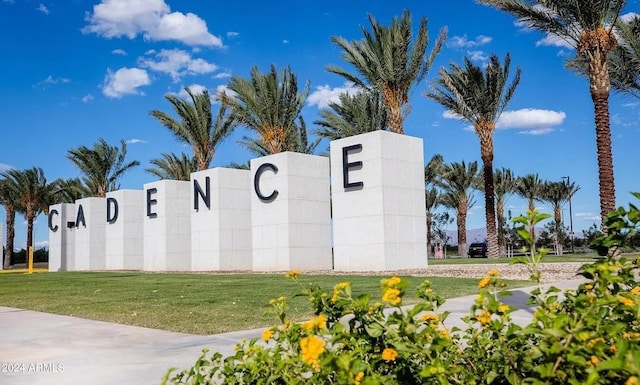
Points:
[[46, 349]]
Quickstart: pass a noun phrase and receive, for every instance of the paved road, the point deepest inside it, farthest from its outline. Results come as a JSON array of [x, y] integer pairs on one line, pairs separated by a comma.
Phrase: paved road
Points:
[[45, 349]]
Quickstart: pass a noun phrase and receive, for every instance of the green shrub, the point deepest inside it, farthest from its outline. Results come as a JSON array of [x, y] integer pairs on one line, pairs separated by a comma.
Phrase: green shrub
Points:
[[586, 336]]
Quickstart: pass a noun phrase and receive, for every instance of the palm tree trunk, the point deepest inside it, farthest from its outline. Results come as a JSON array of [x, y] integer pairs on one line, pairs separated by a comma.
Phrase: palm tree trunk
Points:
[[429, 220], [557, 217], [462, 228], [11, 234], [30, 217], [395, 121], [500, 219], [486, 149], [599, 85]]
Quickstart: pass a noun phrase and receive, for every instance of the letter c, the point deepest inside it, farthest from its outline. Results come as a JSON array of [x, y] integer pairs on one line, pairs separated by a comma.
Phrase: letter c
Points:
[[51, 226], [256, 182]]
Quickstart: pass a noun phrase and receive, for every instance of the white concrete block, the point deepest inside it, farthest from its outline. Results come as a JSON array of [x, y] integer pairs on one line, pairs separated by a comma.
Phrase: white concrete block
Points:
[[90, 236], [379, 218], [61, 223], [220, 220], [290, 212], [124, 234], [167, 226]]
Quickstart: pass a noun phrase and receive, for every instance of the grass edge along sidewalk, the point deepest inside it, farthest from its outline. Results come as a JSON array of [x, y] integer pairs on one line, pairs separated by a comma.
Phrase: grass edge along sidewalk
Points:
[[190, 303]]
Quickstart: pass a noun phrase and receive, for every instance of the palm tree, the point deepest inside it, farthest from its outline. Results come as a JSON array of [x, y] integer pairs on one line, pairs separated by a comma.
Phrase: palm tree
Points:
[[433, 170], [530, 187], [557, 194], [504, 187], [432, 201], [270, 105], [9, 199], [457, 180], [388, 61], [70, 190], [587, 25], [432, 197], [34, 194], [170, 166], [297, 142], [352, 115], [102, 166], [479, 97], [196, 126]]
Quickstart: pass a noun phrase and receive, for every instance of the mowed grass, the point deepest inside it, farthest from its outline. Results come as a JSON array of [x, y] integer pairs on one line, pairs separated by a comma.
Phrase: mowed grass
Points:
[[189, 303], [586, 258]]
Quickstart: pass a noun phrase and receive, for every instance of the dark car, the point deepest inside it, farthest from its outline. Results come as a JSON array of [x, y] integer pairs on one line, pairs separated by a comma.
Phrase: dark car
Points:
[[478, 250]]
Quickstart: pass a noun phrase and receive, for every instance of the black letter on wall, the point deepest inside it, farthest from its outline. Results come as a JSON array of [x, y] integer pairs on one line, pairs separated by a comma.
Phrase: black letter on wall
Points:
[[197, 190], [151, 202], [346, 166], [80, 217], [51, 226], [111, 219], [256, 182]]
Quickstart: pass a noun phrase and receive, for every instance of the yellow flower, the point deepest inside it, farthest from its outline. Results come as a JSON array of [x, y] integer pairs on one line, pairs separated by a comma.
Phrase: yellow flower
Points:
[[430, 317], [444, 333], [293, 274], [613, 348], [484, 282], [633, 380], [593, 361], [588, 286], [392, 296], [625, 301], [337, 288], [503, 308], [594, 341], [319, 322], [267, 334], [389, 354], [358, 378], [484, 317], [393, 281], [479, 297], [493, 273], [311, 348], [635, 290], [630, 335], [282, 298], [343, 285]]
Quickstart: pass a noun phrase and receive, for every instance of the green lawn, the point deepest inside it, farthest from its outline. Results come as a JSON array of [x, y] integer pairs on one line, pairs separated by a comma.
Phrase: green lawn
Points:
[[190, 303], [591, 257]]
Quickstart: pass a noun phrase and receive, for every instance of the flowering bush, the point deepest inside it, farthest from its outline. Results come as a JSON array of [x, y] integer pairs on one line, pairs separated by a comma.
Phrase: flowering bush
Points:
[[586, 336]]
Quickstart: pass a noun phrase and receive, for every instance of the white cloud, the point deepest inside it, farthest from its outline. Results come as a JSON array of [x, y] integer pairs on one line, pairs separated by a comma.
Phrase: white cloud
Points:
[[588, 216], [627, 17], [119, 51], [195, 89], [177, 63], [5, 167], [222, 75], [135, 141], [233, 34], [552, 40], [631, 104], [531, 121], [463, 42], [478, 56], [223, 89], [49, 81], [88, 98], [152, 19], [323, 95], [285, 41], [42, 8], [125, 81]]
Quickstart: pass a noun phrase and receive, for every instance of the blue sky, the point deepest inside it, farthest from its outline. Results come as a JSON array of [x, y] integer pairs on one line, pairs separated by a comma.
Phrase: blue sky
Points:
[[75, 71]]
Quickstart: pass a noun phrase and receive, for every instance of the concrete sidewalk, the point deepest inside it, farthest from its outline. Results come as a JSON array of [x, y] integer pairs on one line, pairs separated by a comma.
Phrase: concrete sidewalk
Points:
[[46, 349]]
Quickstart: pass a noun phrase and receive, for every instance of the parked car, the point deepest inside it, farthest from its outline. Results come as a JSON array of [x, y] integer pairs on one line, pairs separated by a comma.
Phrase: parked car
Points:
[[478, 250]]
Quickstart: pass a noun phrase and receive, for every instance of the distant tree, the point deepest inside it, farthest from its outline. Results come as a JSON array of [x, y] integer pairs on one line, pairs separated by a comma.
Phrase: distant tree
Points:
[[353, 115], [504, 186], [102, 166], [530, 187], [170, 166], [70, 190], [390, 61], [270, 105], [479, 95], [433, 170], [432, 201], [457, 181], [9, 199], [196, 126], [557, 194]]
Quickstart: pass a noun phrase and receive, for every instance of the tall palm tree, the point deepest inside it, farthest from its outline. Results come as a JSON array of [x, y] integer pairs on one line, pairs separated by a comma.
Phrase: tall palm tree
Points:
[[587, 25], [70, 190], [389, 61], [34, 194], [433, 170], [557, 194], [270, 105], [170, 166], [432, 201], [9, 200], [479, 96], [504, 187], [530, 187], [352, 115], [195, 126], [298, 141], [458, 179], [102, 166]]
